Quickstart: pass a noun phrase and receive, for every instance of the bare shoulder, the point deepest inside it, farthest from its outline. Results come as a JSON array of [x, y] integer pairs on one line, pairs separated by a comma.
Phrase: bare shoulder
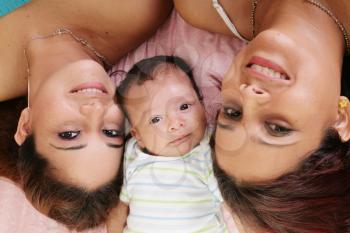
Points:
[[202, 14], [113, 27], [113, 10]]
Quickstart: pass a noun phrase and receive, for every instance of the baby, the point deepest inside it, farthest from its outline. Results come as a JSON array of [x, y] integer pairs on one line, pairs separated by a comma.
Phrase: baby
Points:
[[168, 178]]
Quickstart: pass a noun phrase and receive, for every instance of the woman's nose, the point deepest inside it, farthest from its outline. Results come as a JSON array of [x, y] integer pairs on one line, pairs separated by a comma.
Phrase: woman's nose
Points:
[[253, 91], [92, 108]]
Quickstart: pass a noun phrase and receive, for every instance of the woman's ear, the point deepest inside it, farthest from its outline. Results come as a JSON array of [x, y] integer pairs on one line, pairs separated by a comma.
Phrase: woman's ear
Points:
[[23, 128], [137, 136], [342, 124]]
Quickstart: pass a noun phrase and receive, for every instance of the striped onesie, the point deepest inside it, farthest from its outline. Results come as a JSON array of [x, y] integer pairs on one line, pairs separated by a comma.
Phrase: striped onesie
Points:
[[171, 194]]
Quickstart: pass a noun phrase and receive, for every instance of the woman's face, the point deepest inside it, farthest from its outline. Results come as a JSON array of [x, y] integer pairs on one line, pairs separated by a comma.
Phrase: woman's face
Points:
[[76, 124], [278, 98]]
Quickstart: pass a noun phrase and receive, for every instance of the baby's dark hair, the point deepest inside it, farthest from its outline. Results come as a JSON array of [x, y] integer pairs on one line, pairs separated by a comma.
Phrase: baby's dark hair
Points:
[[145, 70]]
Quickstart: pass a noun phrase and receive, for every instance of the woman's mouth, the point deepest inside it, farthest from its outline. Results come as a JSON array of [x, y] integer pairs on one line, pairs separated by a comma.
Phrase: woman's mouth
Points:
[[91, 88], [267, 69]]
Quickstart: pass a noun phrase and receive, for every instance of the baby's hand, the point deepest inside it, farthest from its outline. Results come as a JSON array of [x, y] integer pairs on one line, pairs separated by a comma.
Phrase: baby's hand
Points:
[[117, 218]]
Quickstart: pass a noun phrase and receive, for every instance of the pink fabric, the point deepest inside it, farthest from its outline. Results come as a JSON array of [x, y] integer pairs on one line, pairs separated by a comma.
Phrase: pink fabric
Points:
[[17, 215], [209, 54]]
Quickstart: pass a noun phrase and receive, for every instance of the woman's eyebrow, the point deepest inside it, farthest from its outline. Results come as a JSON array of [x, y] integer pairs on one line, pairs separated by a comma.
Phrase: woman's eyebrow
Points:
[[78, 147], [224, 126], [115, 145], [255, 138]]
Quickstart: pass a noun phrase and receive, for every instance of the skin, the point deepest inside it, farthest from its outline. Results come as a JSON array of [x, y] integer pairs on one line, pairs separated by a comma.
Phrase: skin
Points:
[[79, 133], [171, 103], [170, 119], [267, 125], [112, 28]]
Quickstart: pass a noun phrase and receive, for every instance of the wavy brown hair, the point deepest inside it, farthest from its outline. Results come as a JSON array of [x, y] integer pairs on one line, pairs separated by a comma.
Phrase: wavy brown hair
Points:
[[315, 198], [9, 115], [75, 207]]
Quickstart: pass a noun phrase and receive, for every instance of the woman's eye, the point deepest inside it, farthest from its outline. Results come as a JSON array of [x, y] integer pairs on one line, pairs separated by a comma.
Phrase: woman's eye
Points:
[[155, 120], [277, 130], [112, 133], [184, 107], [232, 113], [68, 135]]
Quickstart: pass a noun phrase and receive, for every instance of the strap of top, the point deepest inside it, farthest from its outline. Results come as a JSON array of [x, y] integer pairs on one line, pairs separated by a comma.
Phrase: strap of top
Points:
[[226, 19]]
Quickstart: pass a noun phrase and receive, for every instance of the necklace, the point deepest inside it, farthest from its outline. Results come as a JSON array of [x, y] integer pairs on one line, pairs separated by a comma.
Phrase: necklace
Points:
[[335, 19], [321, 7], [64, 31], [252, 16]]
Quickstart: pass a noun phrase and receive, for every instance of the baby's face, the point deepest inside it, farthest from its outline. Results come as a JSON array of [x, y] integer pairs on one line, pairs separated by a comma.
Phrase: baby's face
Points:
[[166, 114]]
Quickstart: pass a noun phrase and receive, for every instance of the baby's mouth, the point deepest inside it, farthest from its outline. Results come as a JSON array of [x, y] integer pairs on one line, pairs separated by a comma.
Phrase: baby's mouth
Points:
[[180, 140]]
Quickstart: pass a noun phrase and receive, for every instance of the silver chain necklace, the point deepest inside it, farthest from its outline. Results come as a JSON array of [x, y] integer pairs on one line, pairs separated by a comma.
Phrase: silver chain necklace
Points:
[[64, 31], [321, 7], [335, 19]]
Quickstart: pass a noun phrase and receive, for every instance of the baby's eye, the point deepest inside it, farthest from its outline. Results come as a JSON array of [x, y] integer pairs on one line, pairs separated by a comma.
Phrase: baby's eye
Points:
[[277, 130], [232, 113], [113, 133], [155, 120], [185, 107], [68, 135]]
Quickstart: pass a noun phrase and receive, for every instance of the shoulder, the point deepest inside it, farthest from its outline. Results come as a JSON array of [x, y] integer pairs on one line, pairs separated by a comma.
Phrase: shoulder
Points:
[[202, 14], [200, 20]]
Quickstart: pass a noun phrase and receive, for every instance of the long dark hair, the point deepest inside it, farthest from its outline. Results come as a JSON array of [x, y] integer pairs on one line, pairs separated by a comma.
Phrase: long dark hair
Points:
[[313, 198], [9, 115], [76, 207], [72, 206]]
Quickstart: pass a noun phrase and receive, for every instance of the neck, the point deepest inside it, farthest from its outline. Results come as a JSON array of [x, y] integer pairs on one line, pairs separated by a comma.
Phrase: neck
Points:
[[45, 56], [300, 18]]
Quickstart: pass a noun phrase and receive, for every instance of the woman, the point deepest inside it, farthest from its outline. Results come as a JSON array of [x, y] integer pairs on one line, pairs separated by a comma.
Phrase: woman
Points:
[[71, 133], [282, 137]]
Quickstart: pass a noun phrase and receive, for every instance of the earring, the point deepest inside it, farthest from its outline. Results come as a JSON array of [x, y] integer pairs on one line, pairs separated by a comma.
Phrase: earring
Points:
[[343, 102]]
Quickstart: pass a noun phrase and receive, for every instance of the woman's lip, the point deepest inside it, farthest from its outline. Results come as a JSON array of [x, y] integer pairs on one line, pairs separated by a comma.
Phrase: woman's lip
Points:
[[90, 85], [266, 63], [263, 62]]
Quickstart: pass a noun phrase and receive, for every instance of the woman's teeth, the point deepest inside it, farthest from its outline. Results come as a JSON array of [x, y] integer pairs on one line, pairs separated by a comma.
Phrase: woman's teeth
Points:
[[90, 90], [269, 72]]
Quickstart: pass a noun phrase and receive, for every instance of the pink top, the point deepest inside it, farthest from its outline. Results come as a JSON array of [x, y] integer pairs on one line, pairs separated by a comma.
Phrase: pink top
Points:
[[210, 56]]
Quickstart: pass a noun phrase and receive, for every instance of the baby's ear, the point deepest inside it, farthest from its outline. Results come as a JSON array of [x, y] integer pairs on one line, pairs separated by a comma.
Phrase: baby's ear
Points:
[[23, 128], [135, 133], [342, 124]]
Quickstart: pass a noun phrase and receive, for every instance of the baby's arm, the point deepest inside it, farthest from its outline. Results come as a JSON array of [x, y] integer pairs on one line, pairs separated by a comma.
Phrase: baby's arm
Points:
[[117, 218]]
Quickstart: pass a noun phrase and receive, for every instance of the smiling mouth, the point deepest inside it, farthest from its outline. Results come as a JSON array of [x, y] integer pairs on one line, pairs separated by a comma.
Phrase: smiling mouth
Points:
[[267, 69], [90, 89]]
